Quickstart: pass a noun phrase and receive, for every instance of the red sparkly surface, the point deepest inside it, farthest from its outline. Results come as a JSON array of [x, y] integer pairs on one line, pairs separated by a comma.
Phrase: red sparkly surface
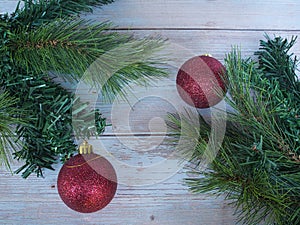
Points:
[[200, 80], [87, 183]]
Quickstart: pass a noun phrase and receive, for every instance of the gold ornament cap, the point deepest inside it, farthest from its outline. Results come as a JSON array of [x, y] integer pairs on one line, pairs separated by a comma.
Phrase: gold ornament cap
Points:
[[85, 148]]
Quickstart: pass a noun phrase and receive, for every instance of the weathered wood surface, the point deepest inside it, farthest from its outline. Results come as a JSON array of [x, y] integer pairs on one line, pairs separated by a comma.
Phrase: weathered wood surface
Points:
[[199, 15], [137, 138]]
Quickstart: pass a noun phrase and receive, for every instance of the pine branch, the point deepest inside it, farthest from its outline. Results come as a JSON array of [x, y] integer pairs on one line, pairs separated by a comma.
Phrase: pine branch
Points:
[[192, 138], [46, 36], [108, 60], [68, 50], [257, 167], [8, 120], [279, 69], [256, 99]]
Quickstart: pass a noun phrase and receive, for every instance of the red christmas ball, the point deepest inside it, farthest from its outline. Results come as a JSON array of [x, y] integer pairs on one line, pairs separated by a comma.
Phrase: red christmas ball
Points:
[[201, 81], [87, 183]]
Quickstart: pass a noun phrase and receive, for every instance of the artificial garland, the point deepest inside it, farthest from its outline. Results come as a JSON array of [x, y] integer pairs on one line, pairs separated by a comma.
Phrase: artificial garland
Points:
[[7, 118], [49, 36], [258, 163]]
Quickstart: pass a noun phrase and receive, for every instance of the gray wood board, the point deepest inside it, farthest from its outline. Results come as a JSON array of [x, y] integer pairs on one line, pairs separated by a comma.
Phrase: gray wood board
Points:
[[138, 136]]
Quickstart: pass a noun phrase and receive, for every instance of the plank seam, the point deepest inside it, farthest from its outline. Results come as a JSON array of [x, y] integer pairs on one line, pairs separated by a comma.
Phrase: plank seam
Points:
[[203, 29]]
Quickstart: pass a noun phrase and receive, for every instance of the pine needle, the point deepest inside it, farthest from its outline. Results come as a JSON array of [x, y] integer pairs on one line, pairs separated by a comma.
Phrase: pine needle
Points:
[[258, 165], [43, 37], [8, 120], [108, 60]]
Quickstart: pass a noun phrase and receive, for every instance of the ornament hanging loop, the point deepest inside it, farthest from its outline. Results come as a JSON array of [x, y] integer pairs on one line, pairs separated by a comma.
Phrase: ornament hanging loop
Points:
[[85, 148], [207, 54]]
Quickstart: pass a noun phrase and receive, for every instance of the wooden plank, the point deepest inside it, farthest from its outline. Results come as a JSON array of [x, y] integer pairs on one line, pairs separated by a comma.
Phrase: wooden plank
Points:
[[195, 14], [36, 200], [148, 106], [8, 6], [202, 14], [193, 27]]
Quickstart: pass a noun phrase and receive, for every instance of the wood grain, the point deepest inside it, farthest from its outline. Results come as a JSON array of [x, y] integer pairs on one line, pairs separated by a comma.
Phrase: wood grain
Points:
[[137, 139], [202, 14], [147, 104], [36, 200], [7, 6]]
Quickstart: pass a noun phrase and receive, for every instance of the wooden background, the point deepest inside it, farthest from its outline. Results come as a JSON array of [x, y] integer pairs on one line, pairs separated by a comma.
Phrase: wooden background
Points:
[[137, 142]]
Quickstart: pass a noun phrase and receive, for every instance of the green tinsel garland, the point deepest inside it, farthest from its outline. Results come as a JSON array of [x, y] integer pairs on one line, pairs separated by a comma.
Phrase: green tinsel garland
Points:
[[47, 109], [43, 36], [258, 164]]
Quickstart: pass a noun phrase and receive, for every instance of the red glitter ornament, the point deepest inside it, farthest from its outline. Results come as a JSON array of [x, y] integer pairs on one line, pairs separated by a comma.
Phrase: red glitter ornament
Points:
[[200, 81], [87, 182]]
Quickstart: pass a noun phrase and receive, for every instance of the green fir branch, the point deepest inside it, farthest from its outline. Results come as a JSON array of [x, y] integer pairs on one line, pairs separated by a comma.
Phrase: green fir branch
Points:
[[258, 165], [52, 116], [8, 120], [278, 64], [279, 70], [45, 37], [79, 49], [68, 50]]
